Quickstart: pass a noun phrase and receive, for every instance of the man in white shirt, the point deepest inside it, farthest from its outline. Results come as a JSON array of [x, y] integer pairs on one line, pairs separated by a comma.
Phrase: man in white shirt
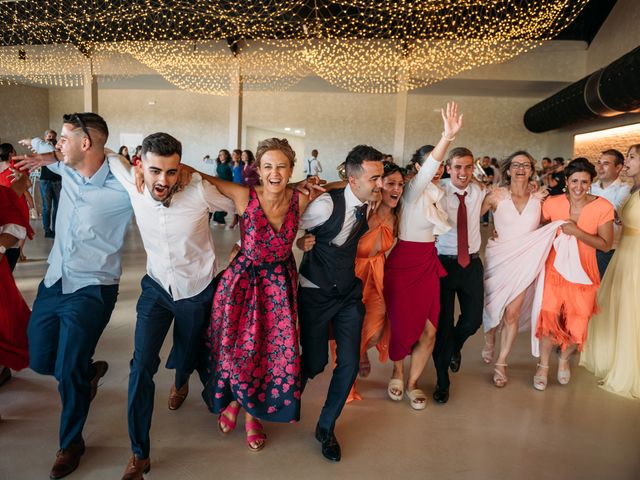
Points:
[[312, 165], [174, 226], [330, 294], [611, 187], [458, 252]]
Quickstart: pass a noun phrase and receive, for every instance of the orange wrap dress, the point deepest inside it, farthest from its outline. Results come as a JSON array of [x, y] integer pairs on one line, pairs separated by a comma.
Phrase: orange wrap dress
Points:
[[567, 307], [370, 269]]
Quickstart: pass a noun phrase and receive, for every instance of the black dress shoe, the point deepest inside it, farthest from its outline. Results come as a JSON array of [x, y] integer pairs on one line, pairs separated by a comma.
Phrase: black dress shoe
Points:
[[456, 359], [330, 445], [441, 395]]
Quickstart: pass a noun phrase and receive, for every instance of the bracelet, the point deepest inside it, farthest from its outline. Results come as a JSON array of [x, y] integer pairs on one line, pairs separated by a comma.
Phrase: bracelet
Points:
[[447, 138]]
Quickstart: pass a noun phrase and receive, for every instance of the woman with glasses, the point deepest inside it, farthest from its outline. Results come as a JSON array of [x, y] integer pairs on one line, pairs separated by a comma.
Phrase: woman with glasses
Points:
[[412, 271], [514, 258]]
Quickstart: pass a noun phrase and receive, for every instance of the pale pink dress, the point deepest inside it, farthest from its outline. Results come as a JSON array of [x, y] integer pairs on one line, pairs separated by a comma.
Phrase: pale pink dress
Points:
[[514, 260]]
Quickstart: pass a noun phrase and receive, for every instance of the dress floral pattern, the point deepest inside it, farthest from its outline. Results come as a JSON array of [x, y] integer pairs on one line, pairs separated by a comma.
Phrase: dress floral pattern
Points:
[[252, 341]]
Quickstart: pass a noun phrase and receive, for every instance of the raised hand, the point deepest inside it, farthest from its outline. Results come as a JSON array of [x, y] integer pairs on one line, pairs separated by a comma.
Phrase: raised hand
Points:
[[452, 121]]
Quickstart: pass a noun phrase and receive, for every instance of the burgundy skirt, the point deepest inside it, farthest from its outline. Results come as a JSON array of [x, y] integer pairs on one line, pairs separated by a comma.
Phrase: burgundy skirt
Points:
[[411, 293]]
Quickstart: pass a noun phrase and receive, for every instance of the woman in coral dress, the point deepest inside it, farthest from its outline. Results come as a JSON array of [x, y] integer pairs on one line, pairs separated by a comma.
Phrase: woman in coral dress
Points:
[[369, 265], [252, 355], [370, 259], [513, 259], [568, 306], [612, 350]]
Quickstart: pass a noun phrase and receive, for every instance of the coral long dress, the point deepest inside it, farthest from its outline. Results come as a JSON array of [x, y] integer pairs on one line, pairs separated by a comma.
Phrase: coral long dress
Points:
[[252, 341], [14, 312], [370, 259], [566, 306], [612, 350]]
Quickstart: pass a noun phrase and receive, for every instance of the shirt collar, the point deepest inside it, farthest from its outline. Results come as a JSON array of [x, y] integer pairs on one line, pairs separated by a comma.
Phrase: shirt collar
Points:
[[614, 184], [350, 200], [453, 189], [100, 177]]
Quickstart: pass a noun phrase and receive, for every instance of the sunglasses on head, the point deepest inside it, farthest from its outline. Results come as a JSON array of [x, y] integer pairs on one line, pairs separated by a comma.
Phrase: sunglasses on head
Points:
[[390, 168], [75, 118]]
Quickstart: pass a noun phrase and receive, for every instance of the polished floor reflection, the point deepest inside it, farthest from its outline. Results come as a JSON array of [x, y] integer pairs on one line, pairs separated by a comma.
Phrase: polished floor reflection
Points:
[[571, 432]]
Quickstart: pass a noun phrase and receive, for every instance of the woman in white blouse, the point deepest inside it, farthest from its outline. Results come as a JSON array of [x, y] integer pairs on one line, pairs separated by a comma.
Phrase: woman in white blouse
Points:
[[413, 271]]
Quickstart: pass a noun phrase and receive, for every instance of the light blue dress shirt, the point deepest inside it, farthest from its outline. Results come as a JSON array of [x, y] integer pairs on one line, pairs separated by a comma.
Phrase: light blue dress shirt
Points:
[[93, 215]]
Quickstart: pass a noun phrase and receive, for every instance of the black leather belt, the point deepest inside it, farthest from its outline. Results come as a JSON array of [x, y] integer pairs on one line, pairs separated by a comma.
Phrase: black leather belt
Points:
[[472, 256]]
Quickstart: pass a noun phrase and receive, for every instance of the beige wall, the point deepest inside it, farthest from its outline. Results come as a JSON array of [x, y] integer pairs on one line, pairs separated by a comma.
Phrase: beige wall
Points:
[[619, 34], [24, 112], [333, 122], [198, 121]]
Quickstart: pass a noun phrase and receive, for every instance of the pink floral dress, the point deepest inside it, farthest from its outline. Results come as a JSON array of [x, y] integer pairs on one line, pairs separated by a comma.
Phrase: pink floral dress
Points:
[[252, 341]]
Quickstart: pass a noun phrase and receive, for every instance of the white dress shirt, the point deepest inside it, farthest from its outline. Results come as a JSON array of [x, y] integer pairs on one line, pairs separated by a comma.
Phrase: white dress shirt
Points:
[[312, 166], [447, 243], [617, 193], [319, 211], [177, 239], [421, 215]]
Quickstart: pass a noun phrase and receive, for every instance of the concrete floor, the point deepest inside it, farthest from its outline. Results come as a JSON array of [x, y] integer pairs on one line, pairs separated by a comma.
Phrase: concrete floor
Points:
[[574, 432]]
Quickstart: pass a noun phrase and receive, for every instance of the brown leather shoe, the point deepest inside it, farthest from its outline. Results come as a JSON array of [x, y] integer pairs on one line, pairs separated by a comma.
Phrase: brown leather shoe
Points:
[[136, 468], [67, 460], [176, 397], [100, 368]]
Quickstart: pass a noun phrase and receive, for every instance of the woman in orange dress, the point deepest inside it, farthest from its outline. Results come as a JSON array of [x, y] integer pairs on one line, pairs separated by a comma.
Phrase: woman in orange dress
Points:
[[372, 249], [370, 258], [567, 306]]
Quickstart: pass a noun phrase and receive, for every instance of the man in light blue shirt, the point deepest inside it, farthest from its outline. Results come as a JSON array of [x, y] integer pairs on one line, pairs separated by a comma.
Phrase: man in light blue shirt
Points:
[[79, 291]]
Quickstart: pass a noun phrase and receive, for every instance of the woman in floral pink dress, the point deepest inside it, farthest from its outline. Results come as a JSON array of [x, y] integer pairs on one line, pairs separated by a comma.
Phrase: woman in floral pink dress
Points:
[[252, 344]]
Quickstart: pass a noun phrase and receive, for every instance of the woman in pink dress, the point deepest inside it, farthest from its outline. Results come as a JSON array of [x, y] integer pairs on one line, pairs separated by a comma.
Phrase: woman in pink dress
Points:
[[513, 259], [252, 343]]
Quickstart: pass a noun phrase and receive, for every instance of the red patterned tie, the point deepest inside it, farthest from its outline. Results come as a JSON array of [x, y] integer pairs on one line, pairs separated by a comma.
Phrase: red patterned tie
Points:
[[463, 233]]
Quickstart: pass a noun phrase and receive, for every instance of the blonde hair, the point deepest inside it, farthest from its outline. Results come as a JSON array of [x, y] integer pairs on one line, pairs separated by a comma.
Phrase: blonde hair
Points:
[[280, 144]]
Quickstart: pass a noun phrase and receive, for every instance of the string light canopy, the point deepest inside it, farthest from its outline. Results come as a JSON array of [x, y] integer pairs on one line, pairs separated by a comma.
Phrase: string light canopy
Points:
[[380, 46]]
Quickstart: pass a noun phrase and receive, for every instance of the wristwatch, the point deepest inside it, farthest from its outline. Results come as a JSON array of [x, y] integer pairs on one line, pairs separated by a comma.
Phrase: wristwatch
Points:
[[3, 249]]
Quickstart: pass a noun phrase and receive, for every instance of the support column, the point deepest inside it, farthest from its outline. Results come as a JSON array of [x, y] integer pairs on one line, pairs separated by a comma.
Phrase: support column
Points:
[[235, 111], [401, 126], [91, 91]]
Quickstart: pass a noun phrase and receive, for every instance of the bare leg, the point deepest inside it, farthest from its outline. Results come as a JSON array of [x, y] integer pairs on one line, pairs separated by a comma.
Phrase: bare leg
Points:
[[508, 334], [365, 364], [546, 346], [564, 370], [489, 345], [420, 355], [398, 373]]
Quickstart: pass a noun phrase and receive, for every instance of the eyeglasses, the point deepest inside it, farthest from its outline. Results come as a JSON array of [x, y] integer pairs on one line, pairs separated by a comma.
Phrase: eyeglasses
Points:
[[518, 166], [78, 119]]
